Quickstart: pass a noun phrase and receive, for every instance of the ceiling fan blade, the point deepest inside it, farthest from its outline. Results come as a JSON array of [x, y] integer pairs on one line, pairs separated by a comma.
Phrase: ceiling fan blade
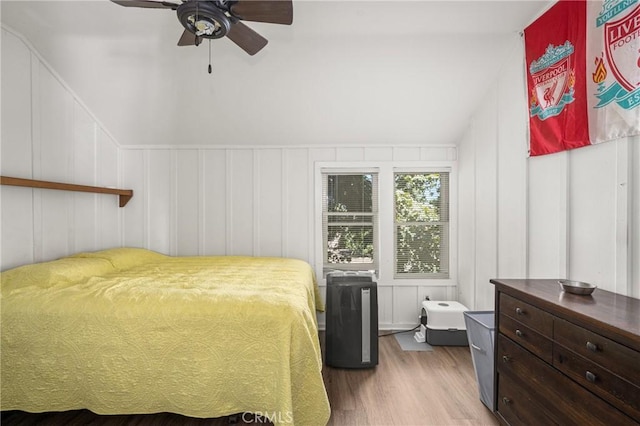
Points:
[[147, 4], [270, 11], [249, 40], [189, 39]]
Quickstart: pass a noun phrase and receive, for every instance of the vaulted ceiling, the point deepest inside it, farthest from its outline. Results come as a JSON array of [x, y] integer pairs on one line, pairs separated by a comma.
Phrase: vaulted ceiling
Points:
[[345, 72]]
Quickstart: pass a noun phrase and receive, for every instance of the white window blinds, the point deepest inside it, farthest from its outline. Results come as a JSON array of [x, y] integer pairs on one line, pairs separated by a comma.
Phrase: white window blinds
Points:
[[421, 225], [349, 220]]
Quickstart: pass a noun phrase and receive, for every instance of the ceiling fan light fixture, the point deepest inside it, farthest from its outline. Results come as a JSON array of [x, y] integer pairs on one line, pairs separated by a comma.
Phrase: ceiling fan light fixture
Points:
[[204, 27], [203, 19]]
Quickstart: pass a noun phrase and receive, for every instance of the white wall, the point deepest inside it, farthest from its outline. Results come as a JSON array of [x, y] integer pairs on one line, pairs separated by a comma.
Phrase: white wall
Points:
[[571, 215], [253, 201], [492, 167], [47, 134]]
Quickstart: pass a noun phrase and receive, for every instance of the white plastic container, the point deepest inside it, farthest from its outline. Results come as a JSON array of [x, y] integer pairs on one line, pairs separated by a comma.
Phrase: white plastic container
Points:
[[445, 323]]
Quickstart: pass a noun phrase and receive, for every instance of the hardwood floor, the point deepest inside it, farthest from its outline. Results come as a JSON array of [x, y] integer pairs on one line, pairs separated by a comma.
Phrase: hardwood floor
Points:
[[406, 388]]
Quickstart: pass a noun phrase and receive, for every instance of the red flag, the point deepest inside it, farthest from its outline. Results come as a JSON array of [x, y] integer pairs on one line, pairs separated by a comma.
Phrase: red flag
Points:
[[555, 47], [583, 74]]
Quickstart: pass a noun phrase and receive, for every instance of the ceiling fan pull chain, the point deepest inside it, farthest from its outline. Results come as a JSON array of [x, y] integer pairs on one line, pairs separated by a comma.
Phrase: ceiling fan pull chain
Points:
[[209, 56]]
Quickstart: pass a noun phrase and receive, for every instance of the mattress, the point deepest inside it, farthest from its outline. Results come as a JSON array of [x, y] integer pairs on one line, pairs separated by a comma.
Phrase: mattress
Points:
[[131, 331]]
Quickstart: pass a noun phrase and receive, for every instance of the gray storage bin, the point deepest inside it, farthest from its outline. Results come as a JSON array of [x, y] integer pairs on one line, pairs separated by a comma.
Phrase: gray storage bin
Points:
[[481, 330]]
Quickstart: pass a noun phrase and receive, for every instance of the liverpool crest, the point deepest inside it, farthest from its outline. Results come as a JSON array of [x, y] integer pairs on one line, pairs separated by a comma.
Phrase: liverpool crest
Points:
[[620, 21], [553, 79]]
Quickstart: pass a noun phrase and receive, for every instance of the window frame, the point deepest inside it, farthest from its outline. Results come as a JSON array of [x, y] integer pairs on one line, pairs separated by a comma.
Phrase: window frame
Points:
[[445, 260], [386, 216], [374, 266]]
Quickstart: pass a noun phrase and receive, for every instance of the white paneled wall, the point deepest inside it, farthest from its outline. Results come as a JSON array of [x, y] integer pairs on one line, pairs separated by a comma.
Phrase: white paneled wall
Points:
[[572, 215], [48, 134], [634, 237], [252, 201], [16, 153], [581, 219]]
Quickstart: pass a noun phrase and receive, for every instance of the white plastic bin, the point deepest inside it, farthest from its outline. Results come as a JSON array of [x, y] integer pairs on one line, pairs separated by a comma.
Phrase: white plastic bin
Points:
[[481, 330], [445, 323]]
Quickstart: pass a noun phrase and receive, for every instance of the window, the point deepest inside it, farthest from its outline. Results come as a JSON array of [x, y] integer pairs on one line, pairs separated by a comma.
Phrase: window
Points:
[[395, 218], [349, 220], [421, 203]]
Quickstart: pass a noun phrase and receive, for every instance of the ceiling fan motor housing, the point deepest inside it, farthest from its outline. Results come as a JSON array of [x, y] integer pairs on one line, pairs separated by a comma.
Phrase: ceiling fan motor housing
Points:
[[203, 19]]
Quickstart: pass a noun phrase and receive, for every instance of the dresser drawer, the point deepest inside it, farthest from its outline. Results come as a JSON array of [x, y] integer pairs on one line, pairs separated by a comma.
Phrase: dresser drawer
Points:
[[615, 389], [527, 314], [527, 337], [613, 356], [518, 406], [564, 401]]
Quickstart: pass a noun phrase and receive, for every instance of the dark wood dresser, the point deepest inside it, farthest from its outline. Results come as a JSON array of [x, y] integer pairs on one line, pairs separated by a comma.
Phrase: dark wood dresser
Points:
[[565, 359]]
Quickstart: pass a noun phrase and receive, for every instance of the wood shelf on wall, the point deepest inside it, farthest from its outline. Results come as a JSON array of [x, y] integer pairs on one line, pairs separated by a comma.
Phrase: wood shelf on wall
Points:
[[123, 194]]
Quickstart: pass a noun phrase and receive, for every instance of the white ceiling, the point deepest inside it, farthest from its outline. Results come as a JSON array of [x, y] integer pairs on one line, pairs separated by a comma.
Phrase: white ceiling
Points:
[[345, 72]]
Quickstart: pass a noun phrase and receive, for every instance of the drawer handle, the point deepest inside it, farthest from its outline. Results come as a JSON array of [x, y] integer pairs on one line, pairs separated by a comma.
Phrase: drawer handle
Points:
[[591, 377], [505, 358], [592, 347], [505, 400], [519, 311], [519, 333]]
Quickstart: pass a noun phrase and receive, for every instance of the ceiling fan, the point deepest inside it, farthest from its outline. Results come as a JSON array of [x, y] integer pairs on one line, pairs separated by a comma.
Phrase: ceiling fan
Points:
[[213, 19]]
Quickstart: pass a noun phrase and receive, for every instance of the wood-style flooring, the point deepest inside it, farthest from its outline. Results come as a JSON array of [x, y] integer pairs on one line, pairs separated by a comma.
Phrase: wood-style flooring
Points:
[[406, 388]]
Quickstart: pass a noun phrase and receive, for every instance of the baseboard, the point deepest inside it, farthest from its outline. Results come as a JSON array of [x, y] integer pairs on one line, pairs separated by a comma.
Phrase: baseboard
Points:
[[384, 326]]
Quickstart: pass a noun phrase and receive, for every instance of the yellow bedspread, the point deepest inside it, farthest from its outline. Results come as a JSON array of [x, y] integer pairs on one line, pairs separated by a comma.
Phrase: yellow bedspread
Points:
[[199, 336]]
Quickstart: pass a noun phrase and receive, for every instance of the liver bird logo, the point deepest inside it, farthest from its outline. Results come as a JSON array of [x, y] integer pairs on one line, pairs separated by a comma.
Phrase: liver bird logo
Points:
[[548, 94]]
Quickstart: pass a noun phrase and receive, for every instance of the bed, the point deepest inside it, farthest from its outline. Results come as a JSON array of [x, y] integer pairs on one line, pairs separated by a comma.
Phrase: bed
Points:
[[131, 331]]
